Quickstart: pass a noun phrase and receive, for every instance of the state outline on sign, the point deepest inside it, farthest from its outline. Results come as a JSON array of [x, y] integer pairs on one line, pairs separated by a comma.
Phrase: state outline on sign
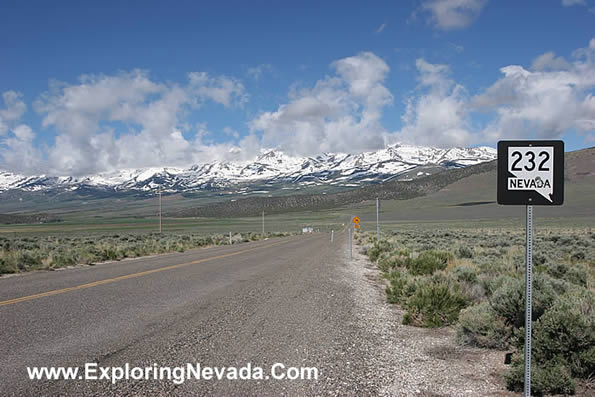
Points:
[[539, 177]]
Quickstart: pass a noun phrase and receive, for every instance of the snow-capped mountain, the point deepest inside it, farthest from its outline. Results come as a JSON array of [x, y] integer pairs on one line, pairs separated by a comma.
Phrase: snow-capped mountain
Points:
[[269, 168]]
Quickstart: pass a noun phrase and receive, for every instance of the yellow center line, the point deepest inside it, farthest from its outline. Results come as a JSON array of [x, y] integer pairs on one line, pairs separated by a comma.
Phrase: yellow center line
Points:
[[132, 275]]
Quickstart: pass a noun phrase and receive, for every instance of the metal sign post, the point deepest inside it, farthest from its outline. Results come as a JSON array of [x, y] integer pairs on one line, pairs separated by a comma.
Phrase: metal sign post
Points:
[[528, 297], [354, 225], [530, 173], [350, 243]]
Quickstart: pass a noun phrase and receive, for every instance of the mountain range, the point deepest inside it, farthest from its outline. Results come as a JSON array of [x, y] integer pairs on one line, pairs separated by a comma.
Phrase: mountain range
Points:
[[271, 169]]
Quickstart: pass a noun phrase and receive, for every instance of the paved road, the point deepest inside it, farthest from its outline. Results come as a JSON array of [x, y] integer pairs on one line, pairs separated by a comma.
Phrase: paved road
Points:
[[274, 301]]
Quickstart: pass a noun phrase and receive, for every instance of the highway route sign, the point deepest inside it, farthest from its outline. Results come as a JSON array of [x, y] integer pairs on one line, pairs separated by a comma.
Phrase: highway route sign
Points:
[[531, 172]]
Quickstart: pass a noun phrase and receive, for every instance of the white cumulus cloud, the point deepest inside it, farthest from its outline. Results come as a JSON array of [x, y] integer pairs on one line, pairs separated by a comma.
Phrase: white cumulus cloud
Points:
[[542, 103], [453, 14], [224, 90], [436, 114], [340, 113], [13, 110], [381, 28], [127, 120], [545, 102], [569, 3], [549, 61], [256, 72], [16, 139]]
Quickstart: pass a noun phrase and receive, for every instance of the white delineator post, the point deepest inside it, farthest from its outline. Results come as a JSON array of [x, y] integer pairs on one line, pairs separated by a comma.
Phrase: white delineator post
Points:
[[332, 235], [528, 297], [229, 238]]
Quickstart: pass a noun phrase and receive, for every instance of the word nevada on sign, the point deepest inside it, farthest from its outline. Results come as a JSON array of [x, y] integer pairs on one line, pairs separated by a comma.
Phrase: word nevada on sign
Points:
[[531, 172]]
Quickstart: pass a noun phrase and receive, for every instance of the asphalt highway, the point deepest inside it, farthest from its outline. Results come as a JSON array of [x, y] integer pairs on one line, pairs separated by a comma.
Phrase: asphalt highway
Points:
[[274, 301]]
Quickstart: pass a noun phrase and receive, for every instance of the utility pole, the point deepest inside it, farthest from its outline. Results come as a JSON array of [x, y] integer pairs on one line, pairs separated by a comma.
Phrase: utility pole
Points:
[[263, 223], [160, 223], [377, 220]]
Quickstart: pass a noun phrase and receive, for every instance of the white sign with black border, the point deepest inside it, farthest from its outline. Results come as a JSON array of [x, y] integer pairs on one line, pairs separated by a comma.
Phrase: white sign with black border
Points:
[[531, 172]]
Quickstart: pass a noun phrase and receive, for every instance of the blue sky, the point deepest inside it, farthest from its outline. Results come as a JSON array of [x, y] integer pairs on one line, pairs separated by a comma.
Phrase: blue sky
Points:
[[93, 87]]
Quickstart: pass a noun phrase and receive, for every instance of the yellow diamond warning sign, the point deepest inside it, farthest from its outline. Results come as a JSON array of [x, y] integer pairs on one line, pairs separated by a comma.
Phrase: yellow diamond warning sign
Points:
[[356, 220]]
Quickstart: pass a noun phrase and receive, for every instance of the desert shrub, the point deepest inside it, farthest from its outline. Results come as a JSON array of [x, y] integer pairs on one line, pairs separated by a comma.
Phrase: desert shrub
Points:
[[480, 326], [389, 262], [26, 259], [563, 345], [469, 283], [25, 253], [565, 240], [492, 284], [395, 288], [7, 265], [539, 259], [386, 263], [577, 256], [551, 378], [464, 252], [62, 259], [474, 292], [401, 287], [435, 303], [429, 262], [425, 246], [108, 254], [575, 274], [566, 332], [405, 252], [493, 243], [410, 288], [508, 301], [465, 274], [86, 257], [583, 365], [378, 249]]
